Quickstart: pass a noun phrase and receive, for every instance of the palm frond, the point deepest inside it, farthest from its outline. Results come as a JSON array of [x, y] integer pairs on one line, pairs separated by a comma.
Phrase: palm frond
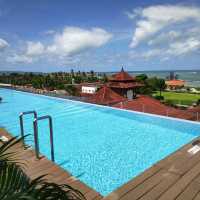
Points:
[[9, 154], [16, 185]]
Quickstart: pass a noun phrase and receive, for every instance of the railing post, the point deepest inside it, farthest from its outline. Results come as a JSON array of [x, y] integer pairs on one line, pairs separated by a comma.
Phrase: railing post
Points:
[[197, 116], [35, 126], [22, 122], [167, 113], [22, 127], [51, 139], [143, 107]]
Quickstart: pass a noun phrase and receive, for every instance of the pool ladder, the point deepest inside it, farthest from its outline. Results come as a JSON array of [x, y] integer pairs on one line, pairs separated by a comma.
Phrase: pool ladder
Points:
[[35, 128]]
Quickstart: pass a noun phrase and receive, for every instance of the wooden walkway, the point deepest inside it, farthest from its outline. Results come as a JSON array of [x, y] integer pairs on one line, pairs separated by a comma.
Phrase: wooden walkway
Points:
[[177, 177]]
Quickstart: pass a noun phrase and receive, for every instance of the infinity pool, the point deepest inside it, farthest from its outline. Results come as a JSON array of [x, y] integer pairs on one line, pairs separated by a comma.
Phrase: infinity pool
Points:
[[103, 147]]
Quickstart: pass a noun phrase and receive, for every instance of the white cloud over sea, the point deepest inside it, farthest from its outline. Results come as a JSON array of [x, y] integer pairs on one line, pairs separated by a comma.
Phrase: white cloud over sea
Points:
[[68, 42]]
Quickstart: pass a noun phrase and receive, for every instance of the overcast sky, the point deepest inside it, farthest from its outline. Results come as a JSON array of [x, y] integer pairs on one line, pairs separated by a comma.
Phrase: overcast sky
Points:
[[100, 35]]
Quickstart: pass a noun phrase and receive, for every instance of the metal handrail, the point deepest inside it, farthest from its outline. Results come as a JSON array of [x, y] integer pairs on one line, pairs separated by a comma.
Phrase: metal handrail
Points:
[[22, 122], [35, 125]]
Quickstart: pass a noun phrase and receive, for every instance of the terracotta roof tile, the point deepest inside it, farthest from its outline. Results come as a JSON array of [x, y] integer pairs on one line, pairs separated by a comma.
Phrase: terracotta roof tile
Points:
[[175, 82], [122, 76], [150, 105], [106, 96], [124, 85]]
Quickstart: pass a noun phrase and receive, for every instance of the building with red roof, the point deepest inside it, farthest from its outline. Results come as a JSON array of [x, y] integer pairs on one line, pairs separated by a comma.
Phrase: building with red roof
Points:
[[124, 84], [106, 96], [150, 105], [119, 87], [175, 84]]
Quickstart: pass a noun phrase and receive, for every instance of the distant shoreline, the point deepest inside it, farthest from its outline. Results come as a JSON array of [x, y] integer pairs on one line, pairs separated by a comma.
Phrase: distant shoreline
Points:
[[130, 71]]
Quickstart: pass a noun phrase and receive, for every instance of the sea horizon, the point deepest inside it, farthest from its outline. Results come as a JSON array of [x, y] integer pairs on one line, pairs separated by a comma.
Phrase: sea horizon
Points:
[[191, 76]]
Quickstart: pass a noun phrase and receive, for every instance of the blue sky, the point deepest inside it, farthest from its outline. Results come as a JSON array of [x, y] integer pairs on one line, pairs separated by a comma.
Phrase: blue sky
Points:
[[50, 35]]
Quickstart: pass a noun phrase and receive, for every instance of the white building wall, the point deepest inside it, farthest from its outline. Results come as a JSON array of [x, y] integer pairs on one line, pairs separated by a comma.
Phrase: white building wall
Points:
[[89, 89]]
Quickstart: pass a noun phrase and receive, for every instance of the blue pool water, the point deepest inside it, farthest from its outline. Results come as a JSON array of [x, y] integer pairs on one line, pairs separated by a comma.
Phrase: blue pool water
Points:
[[104, 147]]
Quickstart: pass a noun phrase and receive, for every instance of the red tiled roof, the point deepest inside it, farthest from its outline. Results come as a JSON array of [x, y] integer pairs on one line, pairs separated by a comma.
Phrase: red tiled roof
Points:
[[175, 82], [124, 85], [195, 109], [122, 76], [88, 95], [150, 105], [106, 96], [91, 84]]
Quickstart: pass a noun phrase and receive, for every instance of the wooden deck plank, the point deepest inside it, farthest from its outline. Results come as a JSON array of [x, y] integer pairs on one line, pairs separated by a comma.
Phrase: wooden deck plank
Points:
[[168, 180], [197, 197], [126, 188], [181, 184], [145, 187], [191, 191], [182, 165]]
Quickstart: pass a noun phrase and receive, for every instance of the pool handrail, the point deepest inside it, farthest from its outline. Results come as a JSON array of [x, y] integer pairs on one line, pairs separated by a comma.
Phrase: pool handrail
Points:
[[35, 126], [22, 122]]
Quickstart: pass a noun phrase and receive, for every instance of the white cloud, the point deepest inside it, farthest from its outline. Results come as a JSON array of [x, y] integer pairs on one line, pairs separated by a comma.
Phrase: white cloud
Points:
[[74, 40], [19, 59], [49, 32], [165, 38], [62, 46], [3, 44], [155, 18], [147, 54], [180, 48], [134, 13], [35, 48]]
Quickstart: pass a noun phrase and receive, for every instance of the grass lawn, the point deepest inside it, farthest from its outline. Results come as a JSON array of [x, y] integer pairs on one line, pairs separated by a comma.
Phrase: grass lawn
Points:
[[180, 98]]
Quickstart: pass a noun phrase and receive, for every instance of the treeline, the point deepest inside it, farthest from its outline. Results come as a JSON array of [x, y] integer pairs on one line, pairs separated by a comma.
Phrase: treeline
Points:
[[51, 80], [67, 81], [151, 85]]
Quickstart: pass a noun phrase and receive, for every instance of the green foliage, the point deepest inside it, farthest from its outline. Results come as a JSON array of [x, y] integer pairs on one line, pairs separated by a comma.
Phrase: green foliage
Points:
[[159, 97], [104, 78], [156, 84], [16, 185], [183, 98], [160, 85], [50, 81], [71, 89], [142, 77]]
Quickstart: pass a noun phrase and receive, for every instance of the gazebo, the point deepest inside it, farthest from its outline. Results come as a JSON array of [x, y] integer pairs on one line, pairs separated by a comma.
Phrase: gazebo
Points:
[[124, 84]]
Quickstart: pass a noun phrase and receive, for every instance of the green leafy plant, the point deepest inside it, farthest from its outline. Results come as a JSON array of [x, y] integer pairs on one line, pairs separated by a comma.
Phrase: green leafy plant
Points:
[[16, 185]]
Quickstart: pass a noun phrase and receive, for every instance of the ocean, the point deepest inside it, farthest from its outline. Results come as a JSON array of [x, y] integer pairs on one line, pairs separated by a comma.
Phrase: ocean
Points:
[[192, 78]]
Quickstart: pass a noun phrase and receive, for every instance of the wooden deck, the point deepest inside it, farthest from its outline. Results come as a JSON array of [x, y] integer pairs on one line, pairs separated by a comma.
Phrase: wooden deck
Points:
[[177, 177]]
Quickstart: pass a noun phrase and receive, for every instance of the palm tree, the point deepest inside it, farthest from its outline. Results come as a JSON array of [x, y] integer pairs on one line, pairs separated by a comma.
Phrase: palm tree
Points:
[[16, 185], [161, 85]]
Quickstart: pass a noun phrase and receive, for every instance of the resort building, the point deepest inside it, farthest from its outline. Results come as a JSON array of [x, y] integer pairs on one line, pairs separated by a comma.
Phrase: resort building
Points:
[[175, 84], [106, 96], [89, 89], [5, 85], [124, 84]]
